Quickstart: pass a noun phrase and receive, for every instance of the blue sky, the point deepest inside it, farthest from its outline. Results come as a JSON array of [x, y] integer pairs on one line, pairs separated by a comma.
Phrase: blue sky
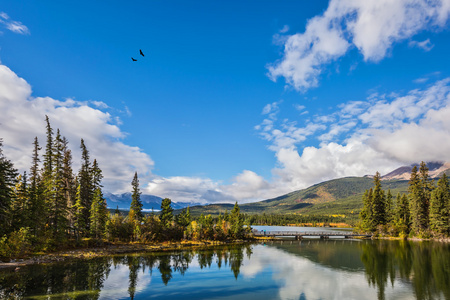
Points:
[[233, 101]]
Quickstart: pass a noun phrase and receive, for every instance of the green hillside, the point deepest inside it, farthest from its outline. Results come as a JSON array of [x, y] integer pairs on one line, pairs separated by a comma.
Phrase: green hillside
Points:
[[335, 197]]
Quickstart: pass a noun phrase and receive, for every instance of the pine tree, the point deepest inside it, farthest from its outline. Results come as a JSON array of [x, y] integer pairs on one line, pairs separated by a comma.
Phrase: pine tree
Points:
[[8, 176], [439, 207], [166, 215], [136, 204]]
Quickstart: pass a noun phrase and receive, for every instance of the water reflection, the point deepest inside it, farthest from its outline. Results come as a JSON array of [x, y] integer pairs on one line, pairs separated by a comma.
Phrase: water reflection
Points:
[[305, 269], [425, 265], [86, 279]]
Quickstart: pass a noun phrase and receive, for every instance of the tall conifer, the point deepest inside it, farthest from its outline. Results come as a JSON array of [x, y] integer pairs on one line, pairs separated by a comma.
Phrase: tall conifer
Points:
[[136, 204], [439, 207]]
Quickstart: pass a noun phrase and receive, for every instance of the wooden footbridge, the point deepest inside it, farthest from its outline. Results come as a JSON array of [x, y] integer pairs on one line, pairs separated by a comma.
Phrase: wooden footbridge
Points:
[[298, 235]]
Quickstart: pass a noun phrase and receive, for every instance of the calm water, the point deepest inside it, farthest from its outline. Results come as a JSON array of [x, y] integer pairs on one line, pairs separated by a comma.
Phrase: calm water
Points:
[[307, 269]]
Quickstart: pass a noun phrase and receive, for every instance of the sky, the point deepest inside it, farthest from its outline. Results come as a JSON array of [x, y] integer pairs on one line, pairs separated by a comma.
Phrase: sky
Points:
[[233, 100]]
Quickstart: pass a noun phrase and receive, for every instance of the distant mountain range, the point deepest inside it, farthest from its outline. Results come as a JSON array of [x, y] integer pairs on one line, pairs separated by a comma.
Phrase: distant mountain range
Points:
[[338, 196], [149, 202], [341, 196], [435, 169]]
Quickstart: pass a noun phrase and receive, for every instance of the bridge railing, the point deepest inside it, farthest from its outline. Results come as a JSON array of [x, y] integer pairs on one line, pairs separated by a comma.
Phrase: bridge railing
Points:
[[305, 233]]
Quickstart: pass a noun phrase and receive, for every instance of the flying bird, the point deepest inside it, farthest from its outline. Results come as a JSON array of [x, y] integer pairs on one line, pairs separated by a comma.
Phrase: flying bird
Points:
[[140, 51], [134, 59]]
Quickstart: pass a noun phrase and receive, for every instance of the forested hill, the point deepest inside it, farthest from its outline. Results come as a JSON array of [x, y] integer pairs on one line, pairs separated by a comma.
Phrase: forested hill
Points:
[[341, 196]]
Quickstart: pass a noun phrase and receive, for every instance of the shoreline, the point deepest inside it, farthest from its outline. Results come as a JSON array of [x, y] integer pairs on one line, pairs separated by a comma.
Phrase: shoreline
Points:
[[112, 249]]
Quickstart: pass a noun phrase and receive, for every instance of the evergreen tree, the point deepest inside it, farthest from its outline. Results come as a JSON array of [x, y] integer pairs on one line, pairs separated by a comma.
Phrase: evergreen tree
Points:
[[420, 188], [439, 207], [56, 203], [78, 210], [48, 156], [99, 214], [69, 183], [36, 193], [366, 214], [136, 204], [183, 219], [402, 215], [7, 181], [389, 208], [85, 187], [237, 222], [19, 211], [378, 202], [166, 215]]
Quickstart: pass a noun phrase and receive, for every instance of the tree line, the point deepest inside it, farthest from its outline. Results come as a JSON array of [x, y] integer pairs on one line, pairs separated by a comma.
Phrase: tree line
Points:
[[424, 211], [53, 207]]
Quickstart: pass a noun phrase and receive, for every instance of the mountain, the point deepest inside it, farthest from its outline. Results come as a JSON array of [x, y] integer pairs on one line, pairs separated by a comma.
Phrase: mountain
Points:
[[338, 196], [149, 202], [435, 169]]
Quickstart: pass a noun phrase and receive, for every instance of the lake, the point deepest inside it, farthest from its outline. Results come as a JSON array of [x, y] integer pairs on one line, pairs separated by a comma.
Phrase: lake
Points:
[[288, 269]]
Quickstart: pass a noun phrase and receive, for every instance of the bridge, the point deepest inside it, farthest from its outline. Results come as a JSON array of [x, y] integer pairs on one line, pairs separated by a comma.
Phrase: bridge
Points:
[[298, 235]]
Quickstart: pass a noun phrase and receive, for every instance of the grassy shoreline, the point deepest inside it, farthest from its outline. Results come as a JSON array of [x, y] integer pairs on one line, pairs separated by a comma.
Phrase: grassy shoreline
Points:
[[113, 249]]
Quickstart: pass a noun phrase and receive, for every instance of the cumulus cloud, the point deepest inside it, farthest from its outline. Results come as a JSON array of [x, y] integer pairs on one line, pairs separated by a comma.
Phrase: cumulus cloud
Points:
[[371, 26], [23, 118], [14, 26], [363, 137]]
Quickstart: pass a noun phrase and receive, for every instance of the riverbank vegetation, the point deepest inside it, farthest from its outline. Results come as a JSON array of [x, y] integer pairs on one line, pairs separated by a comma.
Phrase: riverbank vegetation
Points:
[[54, 208], [423, 212]]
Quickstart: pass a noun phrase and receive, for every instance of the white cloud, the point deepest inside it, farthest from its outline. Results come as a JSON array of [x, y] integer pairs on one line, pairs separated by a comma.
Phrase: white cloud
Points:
[[363, 137], [23, 118], [284, 29], [426, 45], [14, 26], [371, 26]]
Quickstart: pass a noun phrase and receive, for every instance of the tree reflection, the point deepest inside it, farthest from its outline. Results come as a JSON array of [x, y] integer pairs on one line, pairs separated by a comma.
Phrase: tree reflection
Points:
[[426, 265], [84, 279]]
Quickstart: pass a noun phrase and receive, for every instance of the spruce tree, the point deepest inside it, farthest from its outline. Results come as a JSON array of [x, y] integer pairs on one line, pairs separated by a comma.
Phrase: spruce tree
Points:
[[420, 187], [439, 207], [378, 202], [78, 211], [36, 193], [237, 222], [166, 215], [19, 210], [57, 205], [8, 176], [389, 208], [98, 214], [69, 183], [402, 214], [366, 214], [85, 187], [136, 204]]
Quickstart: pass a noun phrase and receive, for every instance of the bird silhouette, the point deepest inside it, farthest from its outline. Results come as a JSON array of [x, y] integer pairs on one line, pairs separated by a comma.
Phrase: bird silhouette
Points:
[[140, 51], [134, 59]]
